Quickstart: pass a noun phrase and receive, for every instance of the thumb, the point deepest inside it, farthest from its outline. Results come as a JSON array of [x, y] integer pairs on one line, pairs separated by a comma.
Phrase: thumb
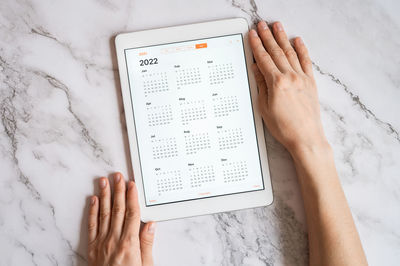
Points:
[[146, 243]]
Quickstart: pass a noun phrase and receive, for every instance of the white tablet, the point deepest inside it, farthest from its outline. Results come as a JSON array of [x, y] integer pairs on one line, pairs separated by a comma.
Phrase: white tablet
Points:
[[195, 134]]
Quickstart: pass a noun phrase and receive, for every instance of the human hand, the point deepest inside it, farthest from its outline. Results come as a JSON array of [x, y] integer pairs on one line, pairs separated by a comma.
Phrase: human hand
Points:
[[288, 98], [114, 235]]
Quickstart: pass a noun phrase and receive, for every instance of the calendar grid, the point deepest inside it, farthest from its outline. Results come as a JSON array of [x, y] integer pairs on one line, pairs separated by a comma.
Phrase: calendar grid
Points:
[[195, 123]]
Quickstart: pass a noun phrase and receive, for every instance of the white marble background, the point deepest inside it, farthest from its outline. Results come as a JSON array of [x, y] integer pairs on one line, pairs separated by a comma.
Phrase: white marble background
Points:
[[61, 128]]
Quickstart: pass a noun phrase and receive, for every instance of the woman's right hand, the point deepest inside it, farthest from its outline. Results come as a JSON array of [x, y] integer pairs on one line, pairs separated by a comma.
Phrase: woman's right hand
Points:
[[288, 98], [289, 104]]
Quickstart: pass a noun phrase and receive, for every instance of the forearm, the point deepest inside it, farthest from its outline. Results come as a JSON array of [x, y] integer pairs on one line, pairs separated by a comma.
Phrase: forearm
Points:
[[289, 103], [333, 238]]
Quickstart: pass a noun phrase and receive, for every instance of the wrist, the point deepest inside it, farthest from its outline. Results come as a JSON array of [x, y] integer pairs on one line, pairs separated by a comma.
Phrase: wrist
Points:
[[315, 167], [319, 149]]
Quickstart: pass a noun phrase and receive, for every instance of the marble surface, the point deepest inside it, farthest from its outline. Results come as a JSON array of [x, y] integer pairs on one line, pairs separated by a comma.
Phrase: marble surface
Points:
[[62, 127]]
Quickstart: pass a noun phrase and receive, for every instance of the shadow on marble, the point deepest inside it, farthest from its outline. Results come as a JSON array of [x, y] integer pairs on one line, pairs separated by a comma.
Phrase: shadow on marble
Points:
[[83, 236]]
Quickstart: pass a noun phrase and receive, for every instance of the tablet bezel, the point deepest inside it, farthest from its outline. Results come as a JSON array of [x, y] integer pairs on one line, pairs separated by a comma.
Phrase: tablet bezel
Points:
[[199, 206]]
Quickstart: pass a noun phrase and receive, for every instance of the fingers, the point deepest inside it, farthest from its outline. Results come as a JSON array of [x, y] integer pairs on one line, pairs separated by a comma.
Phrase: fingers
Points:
[[118, 208], [283, 42], [93, 219], [132, 214], [146, 243], [272, 47], [304, 58], [105, 207], [263, 59]]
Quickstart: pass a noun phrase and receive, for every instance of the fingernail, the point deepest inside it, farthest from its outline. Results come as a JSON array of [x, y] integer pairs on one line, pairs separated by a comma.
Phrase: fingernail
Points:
[[279, 26], [300, 41], [263, 25], [103, 183], [92, 200], [151, 228], [117, 177], [131, 184], [253, 32]]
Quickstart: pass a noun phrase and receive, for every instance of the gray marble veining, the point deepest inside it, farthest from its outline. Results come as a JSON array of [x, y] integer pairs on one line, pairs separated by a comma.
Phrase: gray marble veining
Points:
[[62, 126]]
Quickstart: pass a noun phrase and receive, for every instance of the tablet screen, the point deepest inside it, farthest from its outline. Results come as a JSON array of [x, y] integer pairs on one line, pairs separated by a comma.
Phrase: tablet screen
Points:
[[194, 120]]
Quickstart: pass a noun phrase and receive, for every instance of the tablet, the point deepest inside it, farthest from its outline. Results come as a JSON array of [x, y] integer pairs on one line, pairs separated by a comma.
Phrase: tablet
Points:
[[195, 134]]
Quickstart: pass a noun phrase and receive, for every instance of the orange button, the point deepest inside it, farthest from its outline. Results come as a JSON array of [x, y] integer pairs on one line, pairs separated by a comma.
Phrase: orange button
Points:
[[201, 45]]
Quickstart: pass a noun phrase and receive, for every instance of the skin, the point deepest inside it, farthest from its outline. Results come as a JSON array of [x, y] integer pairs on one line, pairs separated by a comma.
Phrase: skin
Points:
[[115, 237], [288, 102]]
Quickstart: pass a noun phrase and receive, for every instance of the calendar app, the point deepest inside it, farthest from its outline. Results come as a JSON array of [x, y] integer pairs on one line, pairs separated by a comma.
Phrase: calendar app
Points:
[[194, 119]]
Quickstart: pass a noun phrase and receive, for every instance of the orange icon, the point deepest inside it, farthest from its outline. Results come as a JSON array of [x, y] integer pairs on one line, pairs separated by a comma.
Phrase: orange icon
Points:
[[201, 45]]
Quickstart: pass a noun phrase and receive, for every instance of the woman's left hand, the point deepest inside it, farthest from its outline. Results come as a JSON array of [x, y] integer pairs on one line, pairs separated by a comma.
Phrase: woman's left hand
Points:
[[115, 237]]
